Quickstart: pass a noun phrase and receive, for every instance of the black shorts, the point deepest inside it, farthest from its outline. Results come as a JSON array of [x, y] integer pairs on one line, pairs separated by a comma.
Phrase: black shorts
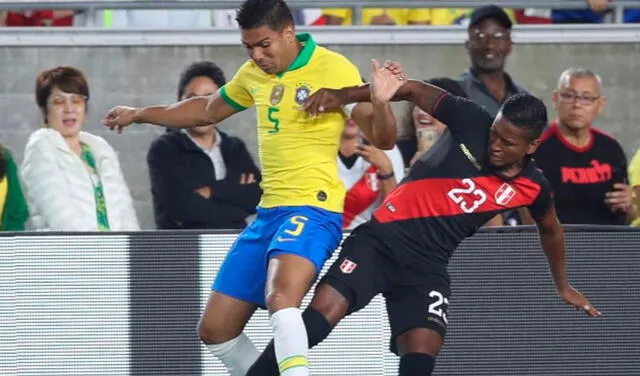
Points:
[[414, 299]]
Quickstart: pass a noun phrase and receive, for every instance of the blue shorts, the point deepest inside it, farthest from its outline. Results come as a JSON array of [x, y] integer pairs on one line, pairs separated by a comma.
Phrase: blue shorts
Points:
[[306, 231]]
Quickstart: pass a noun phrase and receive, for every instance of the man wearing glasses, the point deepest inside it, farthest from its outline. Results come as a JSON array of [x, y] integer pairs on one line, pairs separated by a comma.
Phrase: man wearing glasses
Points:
[[586, 168]]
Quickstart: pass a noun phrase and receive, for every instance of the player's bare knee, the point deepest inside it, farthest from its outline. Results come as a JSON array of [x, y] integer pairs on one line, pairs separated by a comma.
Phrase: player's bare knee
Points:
[[330, 303], [212, 333], [420, 340], [279, 298]]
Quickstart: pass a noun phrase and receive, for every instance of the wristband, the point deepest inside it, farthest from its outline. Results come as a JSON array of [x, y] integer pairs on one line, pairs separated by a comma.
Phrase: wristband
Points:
[[385, 177]]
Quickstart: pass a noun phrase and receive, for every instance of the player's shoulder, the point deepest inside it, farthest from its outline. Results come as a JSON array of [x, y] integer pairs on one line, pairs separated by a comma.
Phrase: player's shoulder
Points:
[[536, 174], [326, 55]]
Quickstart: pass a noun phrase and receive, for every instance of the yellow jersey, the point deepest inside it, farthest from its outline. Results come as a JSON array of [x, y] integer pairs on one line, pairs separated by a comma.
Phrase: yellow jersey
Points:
[[634, 181], [401, 16], [407, 16], [298, 153]]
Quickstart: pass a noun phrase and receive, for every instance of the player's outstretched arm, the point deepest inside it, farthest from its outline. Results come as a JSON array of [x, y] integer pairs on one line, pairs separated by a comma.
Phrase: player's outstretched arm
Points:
[[420, 93], [375, 119], [193, 112], [552, 241]]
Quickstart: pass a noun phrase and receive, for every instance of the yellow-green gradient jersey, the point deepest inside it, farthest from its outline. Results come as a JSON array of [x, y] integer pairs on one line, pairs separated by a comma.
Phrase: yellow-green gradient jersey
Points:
[[298, 153]]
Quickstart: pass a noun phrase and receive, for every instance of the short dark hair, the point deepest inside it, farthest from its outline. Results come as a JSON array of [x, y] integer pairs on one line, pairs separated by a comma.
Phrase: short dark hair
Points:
[[201, 69], [526, 112], [448, 84], [66, 78], [273, 13]]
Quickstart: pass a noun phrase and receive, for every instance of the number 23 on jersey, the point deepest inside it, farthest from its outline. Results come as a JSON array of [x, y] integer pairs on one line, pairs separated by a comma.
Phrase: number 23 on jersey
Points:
[[468, 198]]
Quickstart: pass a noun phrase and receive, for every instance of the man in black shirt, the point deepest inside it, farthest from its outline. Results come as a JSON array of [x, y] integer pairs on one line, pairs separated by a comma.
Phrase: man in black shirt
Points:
[[476, 170], [586, 168]]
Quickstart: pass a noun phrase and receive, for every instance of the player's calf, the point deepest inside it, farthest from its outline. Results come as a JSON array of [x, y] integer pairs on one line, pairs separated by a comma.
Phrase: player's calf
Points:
[[419, 348], [220, 329]]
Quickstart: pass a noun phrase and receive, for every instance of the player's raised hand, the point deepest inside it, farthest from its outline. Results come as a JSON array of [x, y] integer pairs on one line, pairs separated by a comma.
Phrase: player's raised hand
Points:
[[119, 117], [386, 80], [323, 100], [576, 299]]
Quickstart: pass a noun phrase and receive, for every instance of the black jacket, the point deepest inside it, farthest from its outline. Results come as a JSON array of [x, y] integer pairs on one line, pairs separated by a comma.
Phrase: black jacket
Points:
[[177, 167]]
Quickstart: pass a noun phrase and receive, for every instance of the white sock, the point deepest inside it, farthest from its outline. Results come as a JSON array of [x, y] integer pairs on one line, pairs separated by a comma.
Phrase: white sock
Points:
[[237, 354], [290, 342]]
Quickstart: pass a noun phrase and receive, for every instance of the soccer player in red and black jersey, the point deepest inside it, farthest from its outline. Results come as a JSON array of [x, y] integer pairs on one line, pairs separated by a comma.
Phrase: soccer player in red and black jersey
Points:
[[479, 168]]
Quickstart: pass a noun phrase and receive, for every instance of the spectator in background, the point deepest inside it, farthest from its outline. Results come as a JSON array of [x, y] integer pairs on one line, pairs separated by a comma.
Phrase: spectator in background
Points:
[[72, 179], [634, 182], [37, 18], [378, 16], [488, 45], [202, 178], [425, 128], [593, 14], [368, 174], [586, 168], [13, 207]]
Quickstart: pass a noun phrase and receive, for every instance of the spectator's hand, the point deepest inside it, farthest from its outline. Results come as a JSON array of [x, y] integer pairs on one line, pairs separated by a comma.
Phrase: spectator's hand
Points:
[[119, 117], [598, 6], [323, 100], [576, 299], [620, 199], [247, 179], [376, 157], [385, 81], [204, 191]]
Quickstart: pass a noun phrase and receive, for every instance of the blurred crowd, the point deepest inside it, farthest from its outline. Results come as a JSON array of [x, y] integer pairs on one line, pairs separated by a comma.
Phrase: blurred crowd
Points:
[[203, 178], [595, 11]]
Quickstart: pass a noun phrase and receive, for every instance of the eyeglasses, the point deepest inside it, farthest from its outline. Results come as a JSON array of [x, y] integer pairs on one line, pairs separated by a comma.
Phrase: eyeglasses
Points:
[[59, 100], [586, 100], [481, 36]]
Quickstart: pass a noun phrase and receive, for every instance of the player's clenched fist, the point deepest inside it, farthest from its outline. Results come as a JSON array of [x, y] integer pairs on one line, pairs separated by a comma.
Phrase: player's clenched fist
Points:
[[119, 117], [323, 100]]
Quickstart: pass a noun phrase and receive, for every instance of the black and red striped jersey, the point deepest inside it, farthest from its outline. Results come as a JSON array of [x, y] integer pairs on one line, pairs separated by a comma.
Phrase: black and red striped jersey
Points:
[[580, 177], [451, 191]]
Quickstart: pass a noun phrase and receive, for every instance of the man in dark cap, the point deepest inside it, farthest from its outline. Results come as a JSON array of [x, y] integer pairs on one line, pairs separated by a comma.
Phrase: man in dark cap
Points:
[[485, 82], [488, 44]]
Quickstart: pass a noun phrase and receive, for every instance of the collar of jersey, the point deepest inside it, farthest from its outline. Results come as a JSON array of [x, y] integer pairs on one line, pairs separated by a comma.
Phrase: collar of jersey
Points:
[[308, 46]]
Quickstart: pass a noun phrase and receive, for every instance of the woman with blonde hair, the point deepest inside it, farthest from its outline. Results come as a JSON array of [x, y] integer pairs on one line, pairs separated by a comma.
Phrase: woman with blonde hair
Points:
[[72, 179]]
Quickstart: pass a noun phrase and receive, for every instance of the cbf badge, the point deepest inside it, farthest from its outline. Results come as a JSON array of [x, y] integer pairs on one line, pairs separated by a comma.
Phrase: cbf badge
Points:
[[302, 94], [276, 94]]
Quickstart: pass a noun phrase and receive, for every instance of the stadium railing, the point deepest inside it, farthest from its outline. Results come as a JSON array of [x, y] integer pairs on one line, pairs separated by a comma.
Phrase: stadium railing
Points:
[[328, 35], [91, 6]]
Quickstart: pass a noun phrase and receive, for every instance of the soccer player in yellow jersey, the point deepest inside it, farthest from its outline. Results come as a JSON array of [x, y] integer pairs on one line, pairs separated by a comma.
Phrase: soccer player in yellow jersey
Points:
[[274, 262]]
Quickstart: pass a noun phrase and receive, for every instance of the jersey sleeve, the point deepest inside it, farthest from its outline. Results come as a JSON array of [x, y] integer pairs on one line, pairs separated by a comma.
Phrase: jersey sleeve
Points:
[[461, 115], [543, 203], [236, 92]]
